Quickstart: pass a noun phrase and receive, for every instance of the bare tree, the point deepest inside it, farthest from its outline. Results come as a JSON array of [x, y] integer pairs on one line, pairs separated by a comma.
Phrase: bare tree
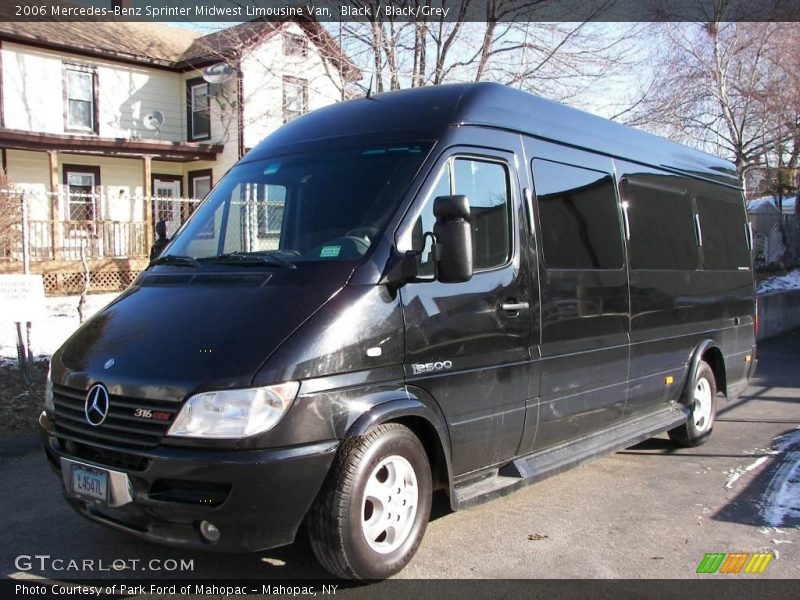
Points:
[[10, 219], [716, 87], [559, 60], [781, 98]]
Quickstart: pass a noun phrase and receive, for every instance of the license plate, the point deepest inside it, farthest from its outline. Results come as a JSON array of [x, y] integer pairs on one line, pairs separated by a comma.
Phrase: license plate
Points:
[[89, 483]]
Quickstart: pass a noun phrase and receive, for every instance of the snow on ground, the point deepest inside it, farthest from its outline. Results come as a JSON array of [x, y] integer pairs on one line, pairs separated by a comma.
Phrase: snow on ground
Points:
[[782, 497], [52, 331], [778, 283]]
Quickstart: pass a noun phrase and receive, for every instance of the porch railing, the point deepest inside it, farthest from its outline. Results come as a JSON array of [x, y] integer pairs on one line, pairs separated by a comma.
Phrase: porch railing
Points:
[[98, 239], [100, 226]]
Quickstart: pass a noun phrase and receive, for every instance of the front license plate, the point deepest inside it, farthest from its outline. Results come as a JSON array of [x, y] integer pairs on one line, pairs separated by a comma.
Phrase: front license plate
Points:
[[89, 483]]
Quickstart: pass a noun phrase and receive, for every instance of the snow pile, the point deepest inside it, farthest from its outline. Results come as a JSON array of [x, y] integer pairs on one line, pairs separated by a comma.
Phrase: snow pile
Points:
[[779, 283], [782, 497], [52, 331]]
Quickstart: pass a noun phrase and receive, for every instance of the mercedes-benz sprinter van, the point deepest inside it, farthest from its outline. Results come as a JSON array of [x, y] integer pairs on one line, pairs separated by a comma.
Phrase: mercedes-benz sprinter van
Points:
[[461, 288]]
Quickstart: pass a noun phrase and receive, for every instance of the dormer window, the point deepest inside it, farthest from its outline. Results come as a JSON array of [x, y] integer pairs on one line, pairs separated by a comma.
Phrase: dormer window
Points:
[[80, 98], [294, 45]]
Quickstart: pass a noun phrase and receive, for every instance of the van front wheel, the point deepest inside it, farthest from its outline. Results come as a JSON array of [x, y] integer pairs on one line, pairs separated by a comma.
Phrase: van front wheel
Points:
[[701, 399], [371, 514]]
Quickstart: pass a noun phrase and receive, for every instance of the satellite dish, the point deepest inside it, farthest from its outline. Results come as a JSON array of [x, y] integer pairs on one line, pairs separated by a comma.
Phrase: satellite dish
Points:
[[154, 121], [218, 73]]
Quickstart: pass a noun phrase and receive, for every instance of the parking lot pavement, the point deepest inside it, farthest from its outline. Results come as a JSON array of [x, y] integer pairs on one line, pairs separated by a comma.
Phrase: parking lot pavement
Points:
[[651, 511]]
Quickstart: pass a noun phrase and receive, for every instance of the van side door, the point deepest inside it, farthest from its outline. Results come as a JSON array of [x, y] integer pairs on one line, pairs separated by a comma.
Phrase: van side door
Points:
[[467, 344], [584, 293]]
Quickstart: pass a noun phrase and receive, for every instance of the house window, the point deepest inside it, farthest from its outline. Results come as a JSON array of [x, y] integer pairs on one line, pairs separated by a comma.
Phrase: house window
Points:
[[294, 45], [198, 116], [199, 183], [295, 98], [80, 98], [81, 183]]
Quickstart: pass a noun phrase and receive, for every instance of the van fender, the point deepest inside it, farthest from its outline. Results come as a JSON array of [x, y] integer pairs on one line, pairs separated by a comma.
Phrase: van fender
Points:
[[402, 408], [694, 362]]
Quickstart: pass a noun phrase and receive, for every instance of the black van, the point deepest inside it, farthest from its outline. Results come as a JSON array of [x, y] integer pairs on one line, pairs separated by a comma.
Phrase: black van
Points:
[[461, 288]]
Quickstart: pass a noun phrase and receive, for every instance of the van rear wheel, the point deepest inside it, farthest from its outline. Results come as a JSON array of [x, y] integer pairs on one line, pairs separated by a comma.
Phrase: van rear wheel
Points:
[[701, 398], [371, 514]]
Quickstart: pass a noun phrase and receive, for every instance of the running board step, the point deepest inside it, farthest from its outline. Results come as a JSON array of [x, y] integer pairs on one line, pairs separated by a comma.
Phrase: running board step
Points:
[[528, 469]]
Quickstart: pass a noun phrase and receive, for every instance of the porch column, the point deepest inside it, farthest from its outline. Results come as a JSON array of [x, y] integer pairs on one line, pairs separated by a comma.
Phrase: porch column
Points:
[[148, 203], [55, 213]]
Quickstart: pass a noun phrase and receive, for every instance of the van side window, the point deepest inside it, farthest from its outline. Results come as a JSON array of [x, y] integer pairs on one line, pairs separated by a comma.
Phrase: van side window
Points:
[[662, 231], [578, 217], [722, 224], [486, 184]]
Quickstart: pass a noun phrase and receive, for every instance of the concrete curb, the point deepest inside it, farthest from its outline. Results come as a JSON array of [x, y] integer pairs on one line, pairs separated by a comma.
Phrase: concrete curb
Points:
[[778, 312], [17, 444]]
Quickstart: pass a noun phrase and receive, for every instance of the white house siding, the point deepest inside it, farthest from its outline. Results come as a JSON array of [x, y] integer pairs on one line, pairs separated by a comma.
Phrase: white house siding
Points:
[[263, 69], [224, 130], [121, 183], [33, 94], [30, 171]]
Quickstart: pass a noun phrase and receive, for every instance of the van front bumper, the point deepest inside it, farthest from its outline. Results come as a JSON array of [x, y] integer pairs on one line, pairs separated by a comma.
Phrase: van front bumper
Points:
[[257, 499]]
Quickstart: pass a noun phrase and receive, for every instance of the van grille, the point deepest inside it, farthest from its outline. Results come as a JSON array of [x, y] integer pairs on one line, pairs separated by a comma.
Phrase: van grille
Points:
[[121, 428]]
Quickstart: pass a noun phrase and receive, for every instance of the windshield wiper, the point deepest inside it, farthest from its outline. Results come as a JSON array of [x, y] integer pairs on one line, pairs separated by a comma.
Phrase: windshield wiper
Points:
[[176, 260], [245, 258]]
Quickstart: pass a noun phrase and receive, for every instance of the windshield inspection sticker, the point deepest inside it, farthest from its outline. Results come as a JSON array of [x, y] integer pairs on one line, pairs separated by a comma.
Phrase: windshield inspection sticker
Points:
[[330, 251]]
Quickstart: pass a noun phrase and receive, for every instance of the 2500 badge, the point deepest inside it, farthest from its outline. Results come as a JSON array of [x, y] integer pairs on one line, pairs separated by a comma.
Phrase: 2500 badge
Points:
[[432, 367]]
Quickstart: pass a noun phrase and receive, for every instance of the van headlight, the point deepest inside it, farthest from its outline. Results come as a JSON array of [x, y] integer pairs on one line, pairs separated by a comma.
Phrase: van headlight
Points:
[[234, 413], [49, 405]]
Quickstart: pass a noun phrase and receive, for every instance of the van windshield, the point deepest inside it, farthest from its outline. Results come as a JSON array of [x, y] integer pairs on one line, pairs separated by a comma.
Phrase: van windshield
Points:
[[314, 206]]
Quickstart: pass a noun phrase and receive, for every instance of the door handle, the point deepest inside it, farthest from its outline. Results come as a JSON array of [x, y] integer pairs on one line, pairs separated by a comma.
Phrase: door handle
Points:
[[514, 306]]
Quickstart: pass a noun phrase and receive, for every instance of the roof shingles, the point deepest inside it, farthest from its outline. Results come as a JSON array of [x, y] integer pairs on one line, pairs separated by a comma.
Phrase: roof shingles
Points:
[[157, 43]]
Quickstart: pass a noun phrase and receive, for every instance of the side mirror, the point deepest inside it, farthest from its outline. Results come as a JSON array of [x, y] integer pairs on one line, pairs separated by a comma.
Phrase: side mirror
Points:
[[452, 230]]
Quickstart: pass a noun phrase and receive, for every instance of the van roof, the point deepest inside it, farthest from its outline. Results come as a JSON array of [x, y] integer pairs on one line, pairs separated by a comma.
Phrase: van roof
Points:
[[425, 113]]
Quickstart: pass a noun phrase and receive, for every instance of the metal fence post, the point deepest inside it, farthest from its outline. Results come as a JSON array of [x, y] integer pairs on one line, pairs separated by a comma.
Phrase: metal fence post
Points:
[[26, 253]]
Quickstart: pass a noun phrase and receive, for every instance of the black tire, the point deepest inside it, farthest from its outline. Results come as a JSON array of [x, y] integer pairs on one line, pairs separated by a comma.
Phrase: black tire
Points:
[[700, 423], [335, 521]]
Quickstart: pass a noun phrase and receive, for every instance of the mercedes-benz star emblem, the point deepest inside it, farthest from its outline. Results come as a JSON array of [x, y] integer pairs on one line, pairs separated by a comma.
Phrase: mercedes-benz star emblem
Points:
[[96, 406]]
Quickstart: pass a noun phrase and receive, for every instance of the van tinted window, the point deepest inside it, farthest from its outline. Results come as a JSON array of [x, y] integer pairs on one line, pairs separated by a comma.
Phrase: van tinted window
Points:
[[722, 223], [662, 232], [578, 217], [486, 184]]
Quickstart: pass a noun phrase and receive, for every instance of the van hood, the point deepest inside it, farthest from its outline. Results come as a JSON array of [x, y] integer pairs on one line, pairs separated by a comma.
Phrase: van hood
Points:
[[187, 332]]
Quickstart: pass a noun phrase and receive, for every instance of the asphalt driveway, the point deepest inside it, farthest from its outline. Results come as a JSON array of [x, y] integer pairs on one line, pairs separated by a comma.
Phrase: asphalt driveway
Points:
[[652, 511]]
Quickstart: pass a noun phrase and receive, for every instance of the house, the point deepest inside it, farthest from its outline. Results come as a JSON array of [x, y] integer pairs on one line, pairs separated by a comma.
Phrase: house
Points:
[[109, 127]]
